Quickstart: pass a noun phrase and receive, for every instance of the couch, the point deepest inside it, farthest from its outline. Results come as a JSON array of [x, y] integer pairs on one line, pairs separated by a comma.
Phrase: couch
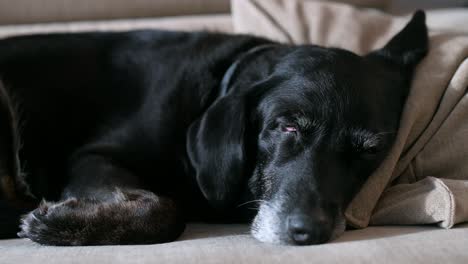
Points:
[[214, 243]]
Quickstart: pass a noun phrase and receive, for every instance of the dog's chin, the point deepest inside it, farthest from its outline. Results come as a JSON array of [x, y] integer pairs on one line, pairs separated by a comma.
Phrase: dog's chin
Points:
[[268, 226]]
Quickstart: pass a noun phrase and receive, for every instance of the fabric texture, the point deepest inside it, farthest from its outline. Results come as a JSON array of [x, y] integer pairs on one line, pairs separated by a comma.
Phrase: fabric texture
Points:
[[40, 11], [424, 179], [206, 244], [215, 23]]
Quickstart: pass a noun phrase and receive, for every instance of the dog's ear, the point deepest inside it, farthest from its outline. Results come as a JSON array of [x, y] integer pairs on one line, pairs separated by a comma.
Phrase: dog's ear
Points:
[[219, 144], [215, 145], [410, 45]]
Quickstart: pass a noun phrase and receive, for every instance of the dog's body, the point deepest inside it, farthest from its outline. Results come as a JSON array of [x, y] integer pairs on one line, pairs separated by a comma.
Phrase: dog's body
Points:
[[125, 98], [136, 133]]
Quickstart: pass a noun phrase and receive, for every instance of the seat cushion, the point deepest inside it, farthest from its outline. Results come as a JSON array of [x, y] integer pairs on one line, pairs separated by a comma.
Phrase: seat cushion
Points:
[[225, 244]]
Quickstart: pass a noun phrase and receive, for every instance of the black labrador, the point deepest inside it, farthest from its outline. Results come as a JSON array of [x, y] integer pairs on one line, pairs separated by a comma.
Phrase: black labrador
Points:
[[133, 134]]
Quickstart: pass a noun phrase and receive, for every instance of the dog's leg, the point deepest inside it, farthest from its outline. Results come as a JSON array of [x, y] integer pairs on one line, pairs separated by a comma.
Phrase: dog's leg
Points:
[[15, 198], [103, 205]]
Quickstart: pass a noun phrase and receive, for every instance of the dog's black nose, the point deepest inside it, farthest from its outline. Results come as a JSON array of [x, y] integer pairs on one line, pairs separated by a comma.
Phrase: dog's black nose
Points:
[[304, 230]]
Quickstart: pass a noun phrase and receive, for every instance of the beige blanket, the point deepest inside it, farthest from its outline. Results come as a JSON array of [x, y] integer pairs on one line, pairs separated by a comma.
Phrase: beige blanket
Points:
[[425, 177]]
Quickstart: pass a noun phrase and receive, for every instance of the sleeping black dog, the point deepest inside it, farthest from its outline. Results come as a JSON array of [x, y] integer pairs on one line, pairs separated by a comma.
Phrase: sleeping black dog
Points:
[[133, 134]]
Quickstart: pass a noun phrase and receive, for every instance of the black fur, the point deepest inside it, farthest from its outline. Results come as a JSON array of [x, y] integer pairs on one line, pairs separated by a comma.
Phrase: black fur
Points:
[[131, 136]]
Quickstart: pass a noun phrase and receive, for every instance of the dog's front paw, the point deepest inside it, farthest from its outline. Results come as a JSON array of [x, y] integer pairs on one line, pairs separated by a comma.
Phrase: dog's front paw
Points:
[[48, 223], [127, 217]]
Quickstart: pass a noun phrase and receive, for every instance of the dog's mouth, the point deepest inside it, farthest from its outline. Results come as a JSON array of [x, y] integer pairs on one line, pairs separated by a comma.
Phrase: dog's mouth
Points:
[[271, 225]]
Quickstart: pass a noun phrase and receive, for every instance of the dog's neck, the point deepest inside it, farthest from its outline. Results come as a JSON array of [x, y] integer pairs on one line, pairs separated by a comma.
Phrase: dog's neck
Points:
[[233, 70]]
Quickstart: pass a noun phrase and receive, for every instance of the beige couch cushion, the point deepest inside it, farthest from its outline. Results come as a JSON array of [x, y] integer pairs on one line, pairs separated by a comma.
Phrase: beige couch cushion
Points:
[[206, 244], [332, 24], [39, 11]]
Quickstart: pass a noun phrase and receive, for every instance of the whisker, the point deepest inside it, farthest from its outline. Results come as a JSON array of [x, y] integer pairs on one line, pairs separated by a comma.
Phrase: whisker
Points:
[[253, 201]]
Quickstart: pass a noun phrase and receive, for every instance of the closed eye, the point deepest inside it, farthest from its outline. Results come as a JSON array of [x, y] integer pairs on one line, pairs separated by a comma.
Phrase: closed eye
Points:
[[371, 149], [290, 128], [294, 124], [369, 152]]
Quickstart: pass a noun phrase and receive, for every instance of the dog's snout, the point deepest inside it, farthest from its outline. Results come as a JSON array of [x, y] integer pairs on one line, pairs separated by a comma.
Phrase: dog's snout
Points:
[[305, 230]]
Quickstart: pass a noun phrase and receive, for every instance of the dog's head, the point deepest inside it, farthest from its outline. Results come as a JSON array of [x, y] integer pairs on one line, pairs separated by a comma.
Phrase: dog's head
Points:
[[304, 139]]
